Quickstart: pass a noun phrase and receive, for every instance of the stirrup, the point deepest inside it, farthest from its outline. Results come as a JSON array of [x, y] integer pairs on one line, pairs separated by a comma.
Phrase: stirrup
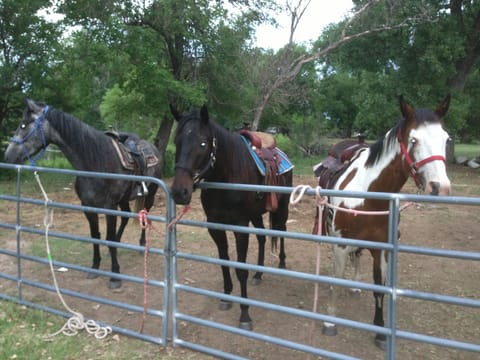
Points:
[[144, 189]]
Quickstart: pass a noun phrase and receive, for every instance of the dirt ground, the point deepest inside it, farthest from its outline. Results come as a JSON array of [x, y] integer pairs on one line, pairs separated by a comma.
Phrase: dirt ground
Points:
[[431, 225]]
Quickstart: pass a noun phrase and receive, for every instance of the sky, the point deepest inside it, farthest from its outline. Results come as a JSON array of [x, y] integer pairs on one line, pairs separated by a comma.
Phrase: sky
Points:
[[318, 14]]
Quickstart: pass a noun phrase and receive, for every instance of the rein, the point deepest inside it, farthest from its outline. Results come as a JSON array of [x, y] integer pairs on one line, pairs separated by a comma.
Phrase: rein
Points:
[[37, 127], [415, 165]]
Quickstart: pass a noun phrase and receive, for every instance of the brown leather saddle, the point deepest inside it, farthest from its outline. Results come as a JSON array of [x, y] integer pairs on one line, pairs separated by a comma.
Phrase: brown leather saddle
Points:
[[339, 158], [265, 146]]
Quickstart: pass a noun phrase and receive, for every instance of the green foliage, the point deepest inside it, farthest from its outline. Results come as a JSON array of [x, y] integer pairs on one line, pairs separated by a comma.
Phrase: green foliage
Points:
[[23, 334], [286, 144], [169, 161]]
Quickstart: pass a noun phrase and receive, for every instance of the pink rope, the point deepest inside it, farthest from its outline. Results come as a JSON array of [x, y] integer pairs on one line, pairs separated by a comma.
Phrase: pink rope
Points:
[[146, 224]]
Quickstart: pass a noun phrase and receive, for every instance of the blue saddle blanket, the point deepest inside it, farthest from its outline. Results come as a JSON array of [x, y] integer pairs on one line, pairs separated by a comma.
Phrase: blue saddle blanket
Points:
[[284, 164]]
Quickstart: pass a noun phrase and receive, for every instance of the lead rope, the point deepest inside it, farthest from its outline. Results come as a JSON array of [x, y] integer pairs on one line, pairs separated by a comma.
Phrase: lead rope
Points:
[[322, 201], [146, 224], [77, 321]]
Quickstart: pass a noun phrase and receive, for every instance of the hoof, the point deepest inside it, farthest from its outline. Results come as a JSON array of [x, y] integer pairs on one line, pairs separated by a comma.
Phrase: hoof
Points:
[[256, 281], [115, 284], [225, 305], [329, 330], [247, 325], [92, 276], [381, 342]]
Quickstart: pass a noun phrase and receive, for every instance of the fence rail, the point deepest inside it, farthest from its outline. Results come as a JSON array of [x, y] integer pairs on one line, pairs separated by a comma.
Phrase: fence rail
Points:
[[173, 289]]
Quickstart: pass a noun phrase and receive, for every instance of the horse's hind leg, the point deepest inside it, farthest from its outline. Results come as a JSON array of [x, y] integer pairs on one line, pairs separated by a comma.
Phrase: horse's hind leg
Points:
[[111, 235], [124, 206], [278, 221], [355, 257], [148, 203], [94, 233], [340, 255], [258, 223], [379, 274]]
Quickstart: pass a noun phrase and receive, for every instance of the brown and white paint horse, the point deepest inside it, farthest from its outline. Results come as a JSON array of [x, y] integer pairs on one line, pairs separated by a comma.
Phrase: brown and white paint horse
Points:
[[415, 147]]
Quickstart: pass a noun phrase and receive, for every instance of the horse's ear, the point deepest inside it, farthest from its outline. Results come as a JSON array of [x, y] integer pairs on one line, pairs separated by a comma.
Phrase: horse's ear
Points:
[[406, 109], [32, 105], [442, 108], [204, 114], [176, 114]]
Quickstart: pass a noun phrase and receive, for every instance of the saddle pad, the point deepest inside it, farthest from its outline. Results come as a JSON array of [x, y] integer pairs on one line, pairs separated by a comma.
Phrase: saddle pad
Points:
[[126, 158], [284, 164]]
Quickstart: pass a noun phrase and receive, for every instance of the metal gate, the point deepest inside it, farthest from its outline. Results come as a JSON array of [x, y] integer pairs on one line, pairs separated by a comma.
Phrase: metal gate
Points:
[[175, 289]]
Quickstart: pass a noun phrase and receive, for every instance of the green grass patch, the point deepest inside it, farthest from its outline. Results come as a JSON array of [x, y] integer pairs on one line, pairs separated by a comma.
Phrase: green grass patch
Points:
[[24, 331], [468, 150]]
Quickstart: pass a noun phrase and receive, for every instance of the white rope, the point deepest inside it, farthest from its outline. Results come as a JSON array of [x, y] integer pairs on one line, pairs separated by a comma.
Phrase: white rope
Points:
[[77, 321]]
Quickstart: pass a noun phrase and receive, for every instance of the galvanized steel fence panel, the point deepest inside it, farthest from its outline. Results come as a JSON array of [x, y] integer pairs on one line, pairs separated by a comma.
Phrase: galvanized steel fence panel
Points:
[[173, 288]]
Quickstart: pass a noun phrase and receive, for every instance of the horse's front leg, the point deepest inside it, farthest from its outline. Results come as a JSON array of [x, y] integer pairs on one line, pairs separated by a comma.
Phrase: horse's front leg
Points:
[[379, 275], [242, 275], [94, 233], [220, 238], [340, 255], [258, 223], [112, 236]]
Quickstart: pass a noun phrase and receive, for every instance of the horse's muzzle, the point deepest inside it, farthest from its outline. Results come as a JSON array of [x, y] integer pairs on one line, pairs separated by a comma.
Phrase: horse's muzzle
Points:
[[182, 196], [436, 188]]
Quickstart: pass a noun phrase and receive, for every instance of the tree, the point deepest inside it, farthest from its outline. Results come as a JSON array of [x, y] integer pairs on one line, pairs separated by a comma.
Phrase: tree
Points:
[[419, 61], [27, 47]]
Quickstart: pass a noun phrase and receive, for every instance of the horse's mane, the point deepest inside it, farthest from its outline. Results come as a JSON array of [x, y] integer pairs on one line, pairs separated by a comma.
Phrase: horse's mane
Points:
[[234, 150], [88, 141], [384, 144]]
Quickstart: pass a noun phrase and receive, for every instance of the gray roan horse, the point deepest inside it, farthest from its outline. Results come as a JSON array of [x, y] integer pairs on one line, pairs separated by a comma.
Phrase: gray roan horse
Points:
[[207, 151], [415, 147], [89, 149]]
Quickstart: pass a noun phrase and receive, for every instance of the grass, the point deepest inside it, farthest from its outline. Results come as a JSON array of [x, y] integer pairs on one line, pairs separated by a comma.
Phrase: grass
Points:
[[23, 335], [468, 150]]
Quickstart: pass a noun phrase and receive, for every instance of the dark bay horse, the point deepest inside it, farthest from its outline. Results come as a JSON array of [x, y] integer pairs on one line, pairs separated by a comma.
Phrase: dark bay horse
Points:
[[88, 149], [207, 151], [415, 147]]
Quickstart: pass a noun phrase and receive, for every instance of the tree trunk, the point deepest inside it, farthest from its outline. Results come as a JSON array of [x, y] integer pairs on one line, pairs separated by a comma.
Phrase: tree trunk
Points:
[[162, 137], [465, 64]]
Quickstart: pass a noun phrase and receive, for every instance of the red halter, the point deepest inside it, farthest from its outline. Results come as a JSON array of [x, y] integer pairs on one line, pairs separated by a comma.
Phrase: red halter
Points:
[[414, 166]]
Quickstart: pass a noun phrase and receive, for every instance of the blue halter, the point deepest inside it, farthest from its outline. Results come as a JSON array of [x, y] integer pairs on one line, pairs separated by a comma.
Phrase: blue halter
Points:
[[36, 131]]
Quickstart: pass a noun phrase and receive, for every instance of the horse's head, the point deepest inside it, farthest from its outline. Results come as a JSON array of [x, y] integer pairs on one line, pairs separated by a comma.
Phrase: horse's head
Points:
[[30, 138], [195, 152], [423, 143]]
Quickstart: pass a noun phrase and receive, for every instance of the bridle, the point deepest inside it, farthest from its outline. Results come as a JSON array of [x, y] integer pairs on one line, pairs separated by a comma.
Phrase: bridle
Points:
[[38, 123], [197, 177], [415, 165]]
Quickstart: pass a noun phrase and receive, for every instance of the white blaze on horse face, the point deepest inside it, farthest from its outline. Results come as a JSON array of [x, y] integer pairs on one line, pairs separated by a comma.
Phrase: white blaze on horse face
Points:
[[425, 141]]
